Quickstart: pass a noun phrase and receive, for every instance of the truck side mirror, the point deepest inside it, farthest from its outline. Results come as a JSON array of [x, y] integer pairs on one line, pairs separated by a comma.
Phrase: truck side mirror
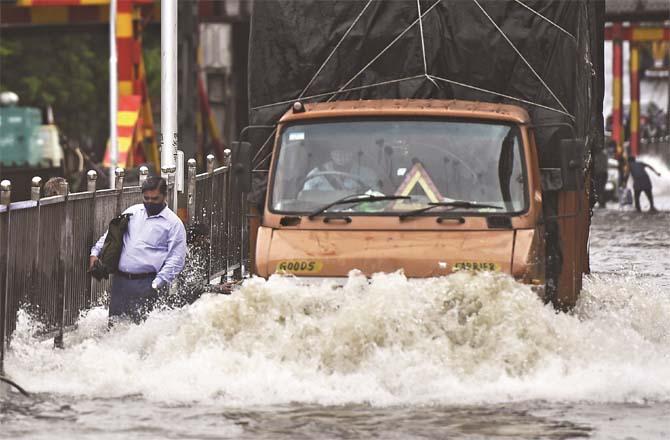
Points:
[[572, 164], [241, 165]]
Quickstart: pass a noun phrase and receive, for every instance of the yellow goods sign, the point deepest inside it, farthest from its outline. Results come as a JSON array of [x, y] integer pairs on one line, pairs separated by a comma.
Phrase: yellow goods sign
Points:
[[299, 267]]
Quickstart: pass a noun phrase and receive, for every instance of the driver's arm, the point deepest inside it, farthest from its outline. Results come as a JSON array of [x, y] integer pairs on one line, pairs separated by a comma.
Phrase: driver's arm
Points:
[[315, 183]]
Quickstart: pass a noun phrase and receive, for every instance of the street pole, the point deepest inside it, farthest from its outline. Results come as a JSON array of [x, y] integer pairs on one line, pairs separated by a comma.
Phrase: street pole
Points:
[[169, 139], [634, 78], [113, 94], [667, 113]]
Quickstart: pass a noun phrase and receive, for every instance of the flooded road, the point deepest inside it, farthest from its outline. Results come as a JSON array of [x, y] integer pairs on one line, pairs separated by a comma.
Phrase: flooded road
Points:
[[466, 356]]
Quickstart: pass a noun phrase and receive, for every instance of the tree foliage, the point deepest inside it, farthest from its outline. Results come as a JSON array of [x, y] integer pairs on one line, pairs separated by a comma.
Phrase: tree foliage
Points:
[[67, 71], [151, 45]]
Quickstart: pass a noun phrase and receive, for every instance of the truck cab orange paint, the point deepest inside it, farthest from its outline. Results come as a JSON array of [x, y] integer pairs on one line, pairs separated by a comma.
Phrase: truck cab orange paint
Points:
[[458, 187]]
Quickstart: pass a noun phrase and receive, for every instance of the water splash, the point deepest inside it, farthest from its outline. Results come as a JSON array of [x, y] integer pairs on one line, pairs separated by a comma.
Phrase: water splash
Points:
[[466, 338]]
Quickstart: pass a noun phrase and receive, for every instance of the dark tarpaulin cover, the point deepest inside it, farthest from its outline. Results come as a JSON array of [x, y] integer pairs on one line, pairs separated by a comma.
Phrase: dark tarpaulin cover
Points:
[[310, 49]]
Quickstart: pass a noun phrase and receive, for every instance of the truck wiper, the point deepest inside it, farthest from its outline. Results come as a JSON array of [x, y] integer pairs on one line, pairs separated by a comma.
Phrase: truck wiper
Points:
[[355, 198], [451, 204]]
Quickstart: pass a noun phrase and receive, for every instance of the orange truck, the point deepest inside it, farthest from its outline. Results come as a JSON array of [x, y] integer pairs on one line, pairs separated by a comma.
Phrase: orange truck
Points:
[[416, 173]]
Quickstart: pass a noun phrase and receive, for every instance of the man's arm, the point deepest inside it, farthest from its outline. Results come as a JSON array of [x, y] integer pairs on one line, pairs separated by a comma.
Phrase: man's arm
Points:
[[311, 184], [652, 168], [95, 250], [174, 262]]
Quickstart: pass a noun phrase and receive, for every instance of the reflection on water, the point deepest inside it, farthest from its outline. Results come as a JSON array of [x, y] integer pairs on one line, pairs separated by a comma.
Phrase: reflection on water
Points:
[[57, 416], [627, 243]]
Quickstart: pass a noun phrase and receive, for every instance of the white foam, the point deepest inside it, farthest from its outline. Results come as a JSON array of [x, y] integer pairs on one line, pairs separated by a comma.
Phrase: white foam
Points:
[[459, 339]]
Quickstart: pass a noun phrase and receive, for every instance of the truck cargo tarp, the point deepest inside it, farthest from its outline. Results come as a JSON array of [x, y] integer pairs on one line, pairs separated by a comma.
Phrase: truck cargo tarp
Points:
[[543, 55]]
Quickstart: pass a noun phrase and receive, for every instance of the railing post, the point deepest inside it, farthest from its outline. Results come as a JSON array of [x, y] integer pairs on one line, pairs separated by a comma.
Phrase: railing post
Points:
[[91, 186], [35, 188], [66, 236], [35, 195], [91, 180], [244, 222], [210, 172], [227, 159], [144, 173], [120, 173], [190, 188], [5, 192], [210, 163], [5, 199], [244, 232]]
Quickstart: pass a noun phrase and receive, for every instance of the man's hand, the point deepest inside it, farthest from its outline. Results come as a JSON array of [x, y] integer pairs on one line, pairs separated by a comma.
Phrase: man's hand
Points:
[[156, 284], [91, 261]]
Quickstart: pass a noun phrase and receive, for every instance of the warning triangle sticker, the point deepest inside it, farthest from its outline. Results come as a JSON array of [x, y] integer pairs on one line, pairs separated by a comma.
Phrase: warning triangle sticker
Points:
[[417, 182]]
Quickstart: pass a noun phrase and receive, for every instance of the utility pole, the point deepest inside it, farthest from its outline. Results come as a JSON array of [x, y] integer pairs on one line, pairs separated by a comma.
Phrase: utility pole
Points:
[[169, 136], [113, 95]]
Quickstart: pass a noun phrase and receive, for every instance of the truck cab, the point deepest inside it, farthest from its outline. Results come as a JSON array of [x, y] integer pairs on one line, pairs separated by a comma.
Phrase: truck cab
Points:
[[428, 187]]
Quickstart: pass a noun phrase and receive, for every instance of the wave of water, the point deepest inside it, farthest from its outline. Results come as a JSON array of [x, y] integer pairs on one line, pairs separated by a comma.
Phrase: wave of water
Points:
[[463, 339]]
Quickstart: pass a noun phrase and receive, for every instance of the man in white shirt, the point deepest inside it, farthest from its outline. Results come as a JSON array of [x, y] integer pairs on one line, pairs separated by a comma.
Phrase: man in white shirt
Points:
[[153, 254]]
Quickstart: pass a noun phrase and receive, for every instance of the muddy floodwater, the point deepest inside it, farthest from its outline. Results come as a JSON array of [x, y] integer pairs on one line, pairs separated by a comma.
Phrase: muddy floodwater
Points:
[[470, 356]]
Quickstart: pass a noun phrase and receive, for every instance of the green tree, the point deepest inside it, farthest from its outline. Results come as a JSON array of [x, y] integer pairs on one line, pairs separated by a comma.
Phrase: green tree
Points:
[[151, 45]]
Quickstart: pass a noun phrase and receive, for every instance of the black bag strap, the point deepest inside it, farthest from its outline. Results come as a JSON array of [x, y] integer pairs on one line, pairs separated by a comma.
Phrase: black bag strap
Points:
[[119, 222], [123, 221]]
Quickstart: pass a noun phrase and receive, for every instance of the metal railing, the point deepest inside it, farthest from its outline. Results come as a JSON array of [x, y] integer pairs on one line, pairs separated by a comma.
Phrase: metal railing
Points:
[[45, 243]]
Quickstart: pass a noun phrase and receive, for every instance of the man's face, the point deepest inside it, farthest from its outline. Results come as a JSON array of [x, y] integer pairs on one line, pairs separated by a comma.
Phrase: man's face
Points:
[[153, 196]]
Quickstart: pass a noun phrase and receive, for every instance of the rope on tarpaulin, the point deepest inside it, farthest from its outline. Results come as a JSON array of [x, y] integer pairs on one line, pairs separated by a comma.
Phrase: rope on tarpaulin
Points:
[[395, 40], [423, 46], [547, 20], [335, 48], [428, 76], [537, 75]]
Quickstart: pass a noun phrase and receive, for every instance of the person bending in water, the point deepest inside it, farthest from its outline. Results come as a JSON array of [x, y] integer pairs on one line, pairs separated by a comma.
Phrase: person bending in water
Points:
[[641, 182]]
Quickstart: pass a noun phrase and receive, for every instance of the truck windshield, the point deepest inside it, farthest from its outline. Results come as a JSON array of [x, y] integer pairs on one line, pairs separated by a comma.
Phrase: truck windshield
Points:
[[431, 161]]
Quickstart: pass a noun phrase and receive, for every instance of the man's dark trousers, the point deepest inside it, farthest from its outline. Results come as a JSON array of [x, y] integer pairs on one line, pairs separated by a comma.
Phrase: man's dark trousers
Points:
[[650, 197], [132, 298]]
